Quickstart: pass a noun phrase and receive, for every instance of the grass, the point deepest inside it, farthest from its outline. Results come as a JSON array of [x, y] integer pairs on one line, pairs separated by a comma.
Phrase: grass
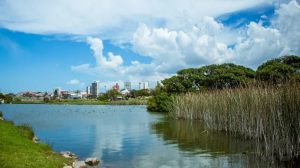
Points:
[[270, 115], [17, 150]]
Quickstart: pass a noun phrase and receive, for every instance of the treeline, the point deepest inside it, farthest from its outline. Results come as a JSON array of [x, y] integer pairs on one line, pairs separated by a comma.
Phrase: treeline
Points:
[[7, 98], [224, 76]]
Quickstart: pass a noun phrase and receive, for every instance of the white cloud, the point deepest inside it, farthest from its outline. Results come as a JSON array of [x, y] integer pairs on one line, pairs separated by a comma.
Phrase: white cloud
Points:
[[110, 62], [201, 44], [75, 82], [204, 42], [109, 19]]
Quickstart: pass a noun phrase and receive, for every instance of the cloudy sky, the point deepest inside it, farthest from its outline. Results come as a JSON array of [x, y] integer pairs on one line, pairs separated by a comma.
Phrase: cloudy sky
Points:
[[65, 43]]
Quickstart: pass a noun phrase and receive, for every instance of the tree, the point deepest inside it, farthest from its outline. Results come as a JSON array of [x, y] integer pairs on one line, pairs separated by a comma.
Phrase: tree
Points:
[[207, 77], [279, 70], [6, 97], [111, 94], [159, 102]]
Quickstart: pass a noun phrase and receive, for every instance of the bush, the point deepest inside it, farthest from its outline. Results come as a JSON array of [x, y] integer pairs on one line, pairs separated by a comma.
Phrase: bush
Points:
[[1, 115], [159, 102]]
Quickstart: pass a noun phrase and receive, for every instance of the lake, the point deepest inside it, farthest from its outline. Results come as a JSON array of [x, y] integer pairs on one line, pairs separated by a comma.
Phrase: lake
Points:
[[129, 137]]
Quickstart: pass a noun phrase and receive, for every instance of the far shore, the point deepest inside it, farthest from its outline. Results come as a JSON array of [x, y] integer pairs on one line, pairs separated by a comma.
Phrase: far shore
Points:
[[88, 102]]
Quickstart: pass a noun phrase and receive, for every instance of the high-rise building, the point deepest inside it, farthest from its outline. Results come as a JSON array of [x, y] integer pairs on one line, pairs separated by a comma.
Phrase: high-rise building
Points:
[[127, 85], [95, 88], [143, 85], [88, 90]]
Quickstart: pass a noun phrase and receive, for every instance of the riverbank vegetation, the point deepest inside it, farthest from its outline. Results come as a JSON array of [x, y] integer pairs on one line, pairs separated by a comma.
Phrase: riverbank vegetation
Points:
[[266, 114], [263, 105], [224, 76], [17, 150]]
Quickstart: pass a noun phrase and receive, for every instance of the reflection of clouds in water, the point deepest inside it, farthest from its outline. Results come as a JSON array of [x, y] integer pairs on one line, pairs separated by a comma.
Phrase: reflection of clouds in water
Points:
[[161, 156], [108, 138]]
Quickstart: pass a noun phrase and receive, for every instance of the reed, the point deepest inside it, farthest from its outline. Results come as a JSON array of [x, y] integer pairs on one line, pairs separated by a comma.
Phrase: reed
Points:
[[270, 115]]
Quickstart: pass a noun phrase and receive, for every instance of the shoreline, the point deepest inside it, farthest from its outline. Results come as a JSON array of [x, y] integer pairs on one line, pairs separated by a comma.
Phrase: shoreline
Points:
[[20, 147], [29, 151], [88, 102]]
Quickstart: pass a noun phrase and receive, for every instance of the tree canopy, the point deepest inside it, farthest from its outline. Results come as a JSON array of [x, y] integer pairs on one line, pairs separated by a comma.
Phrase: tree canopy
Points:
[[279, 70], [207, 77]]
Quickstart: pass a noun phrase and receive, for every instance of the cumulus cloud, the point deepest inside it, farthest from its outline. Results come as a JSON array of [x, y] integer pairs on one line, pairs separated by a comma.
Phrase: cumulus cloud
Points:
[[204, 42], [75, 82], [109, 19], [110, 62], [207, 42]]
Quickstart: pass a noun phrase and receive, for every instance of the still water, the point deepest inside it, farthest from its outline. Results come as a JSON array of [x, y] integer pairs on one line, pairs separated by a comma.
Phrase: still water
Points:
[[129, 137]]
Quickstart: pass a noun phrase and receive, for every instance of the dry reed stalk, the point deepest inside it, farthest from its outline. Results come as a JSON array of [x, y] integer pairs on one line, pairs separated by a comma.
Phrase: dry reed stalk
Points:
[[270, 115]]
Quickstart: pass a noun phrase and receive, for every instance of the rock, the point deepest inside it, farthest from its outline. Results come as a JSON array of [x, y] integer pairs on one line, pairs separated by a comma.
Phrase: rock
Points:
[[92, 161], [35, 139], [79, 164], [1, 118], [67, 167], [68, 154]]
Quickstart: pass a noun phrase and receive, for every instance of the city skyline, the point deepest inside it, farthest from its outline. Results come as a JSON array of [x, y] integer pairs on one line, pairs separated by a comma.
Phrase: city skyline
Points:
[[136, 41]]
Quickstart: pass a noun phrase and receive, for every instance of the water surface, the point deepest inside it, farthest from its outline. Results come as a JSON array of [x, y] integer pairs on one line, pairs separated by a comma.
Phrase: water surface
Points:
[[129, 136]]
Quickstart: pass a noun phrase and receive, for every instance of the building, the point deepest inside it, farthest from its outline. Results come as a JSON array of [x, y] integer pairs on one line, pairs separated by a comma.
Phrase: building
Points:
[[116, 87], [95, 88], [127, 85], [125, 92], [143, 85], [57, 92], [88, 90]]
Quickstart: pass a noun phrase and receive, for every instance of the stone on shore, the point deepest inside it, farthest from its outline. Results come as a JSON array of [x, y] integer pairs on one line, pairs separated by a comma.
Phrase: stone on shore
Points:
[[67, 167], [79, 164], [92, 161], [35, 139], [1, 118], [68, 154]]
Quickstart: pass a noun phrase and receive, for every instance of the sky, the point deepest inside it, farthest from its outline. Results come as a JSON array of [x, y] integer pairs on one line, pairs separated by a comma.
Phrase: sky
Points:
[[69, 44]]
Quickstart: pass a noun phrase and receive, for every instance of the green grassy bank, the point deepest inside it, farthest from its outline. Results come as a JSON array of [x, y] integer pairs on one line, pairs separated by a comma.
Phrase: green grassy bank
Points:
[[17, 150], [270, 115]]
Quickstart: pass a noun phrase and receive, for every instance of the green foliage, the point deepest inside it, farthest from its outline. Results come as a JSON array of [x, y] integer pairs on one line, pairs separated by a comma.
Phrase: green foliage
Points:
[[279, 70], [6, 97], [46, 99], [159, 102], [209, 77], [139, 93], [1, 115], [111, 94]]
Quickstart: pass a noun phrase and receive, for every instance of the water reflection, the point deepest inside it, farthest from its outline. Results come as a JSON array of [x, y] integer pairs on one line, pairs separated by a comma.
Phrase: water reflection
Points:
[[129, 137], [192, 138]]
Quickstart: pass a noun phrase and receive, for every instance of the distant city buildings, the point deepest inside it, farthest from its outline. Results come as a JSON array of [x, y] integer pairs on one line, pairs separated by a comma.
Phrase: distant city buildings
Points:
[[57, 92], [95, 89], [116, 87], [143, 85], [88, 90], [127, 85]]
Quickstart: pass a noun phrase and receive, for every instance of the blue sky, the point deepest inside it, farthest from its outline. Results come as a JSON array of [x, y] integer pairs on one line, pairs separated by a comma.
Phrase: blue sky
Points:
[[64, 44]]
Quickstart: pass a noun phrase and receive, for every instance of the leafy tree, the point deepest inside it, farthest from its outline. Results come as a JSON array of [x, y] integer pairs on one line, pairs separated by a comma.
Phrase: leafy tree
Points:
[[173, 85], [279, 70], [111, 94], [211, 76], [6, 97]]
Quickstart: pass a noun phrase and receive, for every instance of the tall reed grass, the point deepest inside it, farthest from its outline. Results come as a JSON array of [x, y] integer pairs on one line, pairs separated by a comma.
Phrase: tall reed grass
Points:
[[270, 115]]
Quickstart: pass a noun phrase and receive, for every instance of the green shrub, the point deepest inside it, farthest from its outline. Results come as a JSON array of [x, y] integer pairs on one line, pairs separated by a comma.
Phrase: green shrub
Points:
[[159, 102]]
